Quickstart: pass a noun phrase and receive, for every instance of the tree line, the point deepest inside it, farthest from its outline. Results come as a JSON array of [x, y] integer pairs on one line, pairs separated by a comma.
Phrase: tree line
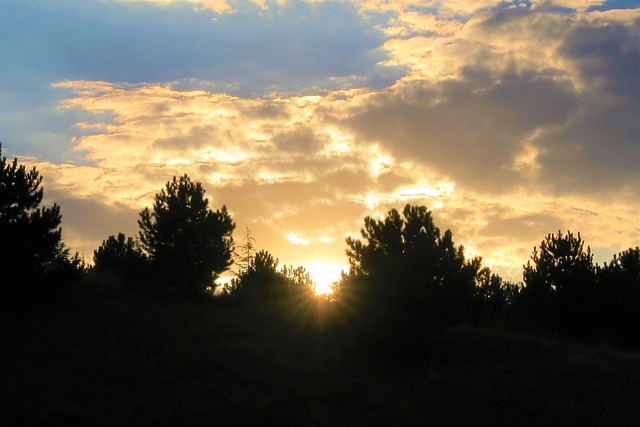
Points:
[[405, 275]]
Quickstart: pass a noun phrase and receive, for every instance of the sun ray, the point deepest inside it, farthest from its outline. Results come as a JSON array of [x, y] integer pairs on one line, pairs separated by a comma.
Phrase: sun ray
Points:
[[325, 274]]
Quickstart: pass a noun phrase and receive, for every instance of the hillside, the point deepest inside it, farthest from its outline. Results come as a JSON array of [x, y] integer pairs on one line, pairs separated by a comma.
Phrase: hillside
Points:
[[99, 358]]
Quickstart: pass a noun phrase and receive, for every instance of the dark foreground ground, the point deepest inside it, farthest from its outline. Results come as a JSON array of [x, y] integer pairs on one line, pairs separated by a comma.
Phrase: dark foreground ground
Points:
[[100, 359]]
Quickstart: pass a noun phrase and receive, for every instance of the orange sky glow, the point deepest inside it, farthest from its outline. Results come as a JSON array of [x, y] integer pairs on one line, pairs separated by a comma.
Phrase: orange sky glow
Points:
[[508, 120]]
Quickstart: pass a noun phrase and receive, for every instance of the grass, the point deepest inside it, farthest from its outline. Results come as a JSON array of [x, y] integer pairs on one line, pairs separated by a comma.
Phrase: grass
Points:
[[97, 358]]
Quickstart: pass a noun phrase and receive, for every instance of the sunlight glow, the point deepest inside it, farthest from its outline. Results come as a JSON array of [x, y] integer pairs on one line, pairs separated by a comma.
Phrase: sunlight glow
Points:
[[337, 143], [324, 273], [270, 177], [380, 163], [224, 156], [178, 162], [424, 190], [371, 200], [217, 178], [306, 241], [296, 240]]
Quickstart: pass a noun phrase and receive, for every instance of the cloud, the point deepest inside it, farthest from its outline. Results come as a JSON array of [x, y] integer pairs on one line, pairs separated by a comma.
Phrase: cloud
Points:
[[140, 42], [297, 48], [533, 108], [579, 5], [508, 122], [568, 107], [470, 130], [87, 222], [270, 160]]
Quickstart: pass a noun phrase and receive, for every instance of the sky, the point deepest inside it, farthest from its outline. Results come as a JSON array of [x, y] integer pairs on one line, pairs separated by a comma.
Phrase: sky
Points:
[[509, 120]]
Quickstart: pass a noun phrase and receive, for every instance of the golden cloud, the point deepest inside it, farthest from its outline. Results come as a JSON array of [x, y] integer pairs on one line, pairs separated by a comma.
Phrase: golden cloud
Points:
[[471, 132]]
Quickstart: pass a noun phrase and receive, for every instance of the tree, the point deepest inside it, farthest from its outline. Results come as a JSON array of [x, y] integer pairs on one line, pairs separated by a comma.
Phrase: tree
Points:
[[31, 237], [246, 252], [404, 271], [624, 269], [263, 279], [299, 281], [408, 254], [123, 256], [559, 284], [619, 287], [494, 296], [187, 243], [560, 264]]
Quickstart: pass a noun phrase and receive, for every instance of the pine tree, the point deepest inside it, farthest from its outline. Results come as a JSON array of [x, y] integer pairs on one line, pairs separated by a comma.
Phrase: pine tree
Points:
[[559, 286], [121, 255], [246, 252], [31, 235], [187, 243]]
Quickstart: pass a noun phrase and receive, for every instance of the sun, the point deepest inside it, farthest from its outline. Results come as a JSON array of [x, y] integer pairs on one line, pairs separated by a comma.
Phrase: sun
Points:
[[324, 273]]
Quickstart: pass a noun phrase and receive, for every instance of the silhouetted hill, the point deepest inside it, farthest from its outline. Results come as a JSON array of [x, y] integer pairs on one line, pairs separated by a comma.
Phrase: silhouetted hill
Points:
[[111, 358]]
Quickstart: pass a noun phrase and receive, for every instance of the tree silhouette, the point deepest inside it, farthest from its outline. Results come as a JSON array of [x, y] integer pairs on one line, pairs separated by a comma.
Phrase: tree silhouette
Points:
[[624, 269], [122, 255], [245, 253], [263, 279], [559, 285], [407, 275], [619, 288], [494, 296], [408, 252], [298, 280], [30, 242], [560, 263], [187, 243]]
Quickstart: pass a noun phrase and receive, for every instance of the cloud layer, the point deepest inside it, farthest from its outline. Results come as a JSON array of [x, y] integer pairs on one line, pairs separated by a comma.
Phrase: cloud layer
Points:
[[508, 121]]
